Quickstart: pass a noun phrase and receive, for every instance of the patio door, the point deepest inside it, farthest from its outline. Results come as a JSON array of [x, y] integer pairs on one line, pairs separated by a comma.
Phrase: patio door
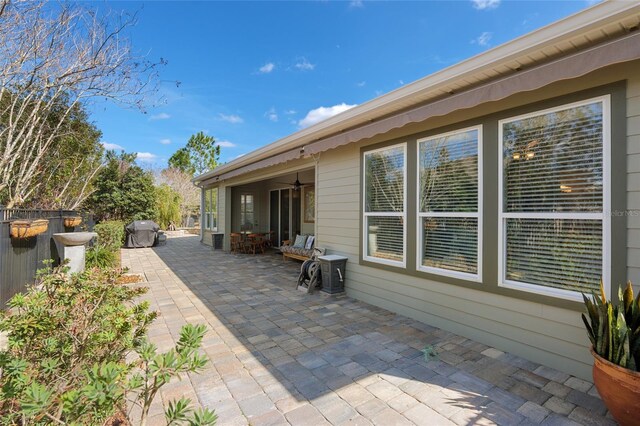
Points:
[[284, 214]]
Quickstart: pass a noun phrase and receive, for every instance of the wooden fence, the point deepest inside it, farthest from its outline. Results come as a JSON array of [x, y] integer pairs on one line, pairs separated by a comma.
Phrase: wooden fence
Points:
[[20, 258]]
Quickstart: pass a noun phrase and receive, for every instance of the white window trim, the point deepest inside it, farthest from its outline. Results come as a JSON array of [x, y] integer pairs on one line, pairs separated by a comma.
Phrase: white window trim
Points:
[[477, 277], [366, 215], [605, 216], [243, 208], [214, 213], [208, 213]]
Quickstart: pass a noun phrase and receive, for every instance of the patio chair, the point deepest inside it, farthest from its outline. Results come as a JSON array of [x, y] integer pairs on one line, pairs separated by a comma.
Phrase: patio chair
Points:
[[238, 244], [269, 240], [254, 243]]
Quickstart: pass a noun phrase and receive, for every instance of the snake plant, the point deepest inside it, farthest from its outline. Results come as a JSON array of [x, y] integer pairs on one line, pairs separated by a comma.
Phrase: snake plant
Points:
[[614, 330]]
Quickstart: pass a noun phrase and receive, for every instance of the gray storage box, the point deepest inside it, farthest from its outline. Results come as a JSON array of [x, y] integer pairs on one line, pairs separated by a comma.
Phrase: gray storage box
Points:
[[333, 269]]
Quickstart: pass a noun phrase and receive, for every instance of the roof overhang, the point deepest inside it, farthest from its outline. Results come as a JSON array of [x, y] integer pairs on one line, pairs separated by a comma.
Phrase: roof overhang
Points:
[[574, 46]]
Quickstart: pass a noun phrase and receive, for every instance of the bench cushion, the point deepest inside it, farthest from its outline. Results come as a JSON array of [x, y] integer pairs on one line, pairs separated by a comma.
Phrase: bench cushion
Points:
[[296, 251]]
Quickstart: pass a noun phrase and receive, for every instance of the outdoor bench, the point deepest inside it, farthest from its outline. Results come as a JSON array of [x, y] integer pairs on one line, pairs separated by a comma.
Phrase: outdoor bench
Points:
[[300, 253]]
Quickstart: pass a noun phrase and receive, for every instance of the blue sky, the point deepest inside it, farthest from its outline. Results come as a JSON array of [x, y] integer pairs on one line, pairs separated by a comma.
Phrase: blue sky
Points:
[[254, 72]]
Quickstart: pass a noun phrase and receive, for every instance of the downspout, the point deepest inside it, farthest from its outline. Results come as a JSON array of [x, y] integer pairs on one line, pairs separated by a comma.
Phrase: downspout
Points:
[[202, 214], [316, 159]]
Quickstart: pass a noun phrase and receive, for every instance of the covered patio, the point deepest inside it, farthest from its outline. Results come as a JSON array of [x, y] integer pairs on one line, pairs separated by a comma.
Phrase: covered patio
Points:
[[279, 206], [279, 356]]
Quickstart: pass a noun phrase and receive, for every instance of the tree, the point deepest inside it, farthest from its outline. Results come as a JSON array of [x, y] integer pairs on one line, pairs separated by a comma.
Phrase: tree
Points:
[[180, 182], [167, 206], [181, 161], [200, 155], [123, 190], [54, 58], [68, 171]]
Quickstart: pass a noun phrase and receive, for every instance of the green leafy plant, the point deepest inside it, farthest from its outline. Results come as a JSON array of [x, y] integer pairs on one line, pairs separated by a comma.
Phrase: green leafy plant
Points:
[[179, 413], [614, 330], [69, 338], [430, 353], [167, 206], [156, 370], [110, 234], [100, 257]]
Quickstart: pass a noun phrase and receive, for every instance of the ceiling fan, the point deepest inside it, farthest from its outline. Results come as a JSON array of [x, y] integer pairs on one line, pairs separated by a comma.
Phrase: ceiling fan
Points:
[[295, 185]]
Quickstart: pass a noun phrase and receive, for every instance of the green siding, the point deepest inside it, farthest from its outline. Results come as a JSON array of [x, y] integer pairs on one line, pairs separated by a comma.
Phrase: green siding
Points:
[[551, 335]]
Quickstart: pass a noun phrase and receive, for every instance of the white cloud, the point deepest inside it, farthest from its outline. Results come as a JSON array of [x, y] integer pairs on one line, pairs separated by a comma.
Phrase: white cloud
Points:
[[356, 4], [290, 112], [267, 68], [226, 144], [401, 82], [361, 83], [111, 146], [483, 39], [304, 65], [322, 113], [146, 156], [165, 141], [161, 116], [233, 119], [485, 4], [272, 115]]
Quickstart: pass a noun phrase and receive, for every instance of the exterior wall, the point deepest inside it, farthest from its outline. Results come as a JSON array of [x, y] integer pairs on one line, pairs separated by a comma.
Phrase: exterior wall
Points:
[[550, 335], [633, 180]]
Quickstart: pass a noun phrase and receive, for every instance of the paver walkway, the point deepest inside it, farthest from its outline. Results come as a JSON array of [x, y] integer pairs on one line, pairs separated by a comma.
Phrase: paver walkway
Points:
[[279, 356]]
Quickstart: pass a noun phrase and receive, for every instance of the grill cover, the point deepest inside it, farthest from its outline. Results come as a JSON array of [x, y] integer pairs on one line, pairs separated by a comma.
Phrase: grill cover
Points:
[[141, 233]]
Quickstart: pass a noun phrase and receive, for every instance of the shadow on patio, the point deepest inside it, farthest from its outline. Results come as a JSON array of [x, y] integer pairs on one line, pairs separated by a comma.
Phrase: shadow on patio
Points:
[[280, 356]]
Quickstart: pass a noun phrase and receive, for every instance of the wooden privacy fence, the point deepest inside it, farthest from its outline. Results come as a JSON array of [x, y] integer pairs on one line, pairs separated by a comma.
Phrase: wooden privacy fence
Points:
[[20, 258]]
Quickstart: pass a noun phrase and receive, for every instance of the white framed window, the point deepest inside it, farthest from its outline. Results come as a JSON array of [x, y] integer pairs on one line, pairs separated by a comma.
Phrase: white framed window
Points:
[[554, 195], [384, 205], [449, 237], [246, 212], [211, 209]]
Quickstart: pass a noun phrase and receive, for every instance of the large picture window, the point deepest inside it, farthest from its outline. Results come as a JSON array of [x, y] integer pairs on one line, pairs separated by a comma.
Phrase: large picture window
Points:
[[554, 199], [449, 204], [211, 209], [384, 213]]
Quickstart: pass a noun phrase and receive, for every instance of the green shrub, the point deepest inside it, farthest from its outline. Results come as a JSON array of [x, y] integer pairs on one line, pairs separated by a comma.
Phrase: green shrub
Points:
[[100, 257], [68, 341], [110, 234]]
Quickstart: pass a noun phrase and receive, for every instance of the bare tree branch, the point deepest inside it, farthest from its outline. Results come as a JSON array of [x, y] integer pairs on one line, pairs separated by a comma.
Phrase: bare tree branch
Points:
[[53, 60]]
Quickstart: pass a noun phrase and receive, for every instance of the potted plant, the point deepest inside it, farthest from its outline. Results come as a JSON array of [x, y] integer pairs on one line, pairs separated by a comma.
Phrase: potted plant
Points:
[[28, 227], [614, 331], [72, 221]]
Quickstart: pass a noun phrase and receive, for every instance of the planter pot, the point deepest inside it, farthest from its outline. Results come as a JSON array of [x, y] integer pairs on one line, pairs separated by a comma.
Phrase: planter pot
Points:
[[71, 222], [28, 228], [619, 389]]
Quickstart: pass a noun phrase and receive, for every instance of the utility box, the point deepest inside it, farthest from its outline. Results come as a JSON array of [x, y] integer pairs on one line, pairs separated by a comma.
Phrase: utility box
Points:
[[333, 269], [217, 241]]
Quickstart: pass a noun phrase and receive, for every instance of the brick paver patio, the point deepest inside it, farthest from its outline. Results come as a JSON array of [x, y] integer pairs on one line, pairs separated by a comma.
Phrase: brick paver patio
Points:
[[279, 356]]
